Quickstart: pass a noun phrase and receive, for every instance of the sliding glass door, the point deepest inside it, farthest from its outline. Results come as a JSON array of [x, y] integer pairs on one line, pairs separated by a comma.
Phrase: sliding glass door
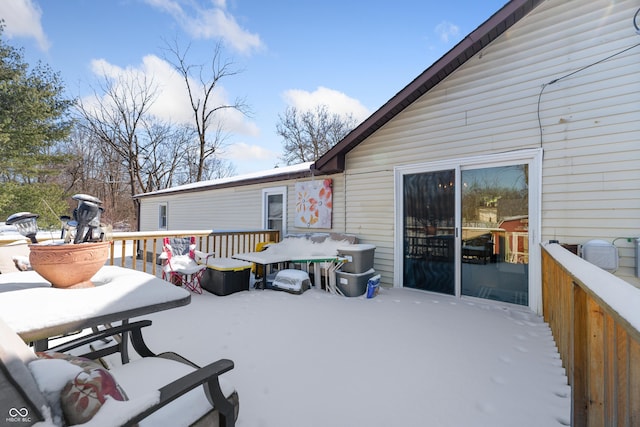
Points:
[[465, 227]]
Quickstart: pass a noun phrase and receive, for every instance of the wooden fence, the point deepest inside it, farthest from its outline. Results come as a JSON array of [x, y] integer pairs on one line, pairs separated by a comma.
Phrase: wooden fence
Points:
[[595, 319], [147, 245]]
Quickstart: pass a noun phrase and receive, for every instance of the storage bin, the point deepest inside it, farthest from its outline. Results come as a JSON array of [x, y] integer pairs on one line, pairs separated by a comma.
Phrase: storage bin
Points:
[[359, 257], [225, 276], [353, 284], [290, 280]]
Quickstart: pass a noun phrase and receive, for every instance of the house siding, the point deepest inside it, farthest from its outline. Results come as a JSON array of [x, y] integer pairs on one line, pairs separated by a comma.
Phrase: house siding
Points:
[[589, 126], [232, 208]]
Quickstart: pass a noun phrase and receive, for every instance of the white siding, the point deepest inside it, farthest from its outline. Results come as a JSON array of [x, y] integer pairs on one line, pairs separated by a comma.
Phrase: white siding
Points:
[[590, 125], [236, 208]]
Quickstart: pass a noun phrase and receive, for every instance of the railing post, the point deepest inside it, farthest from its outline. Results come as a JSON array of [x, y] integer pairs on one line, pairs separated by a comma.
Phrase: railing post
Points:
[[578, 375], [595, 363]]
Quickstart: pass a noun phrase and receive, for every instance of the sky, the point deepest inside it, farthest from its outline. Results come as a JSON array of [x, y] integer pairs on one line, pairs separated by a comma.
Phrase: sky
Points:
[[347, 56]]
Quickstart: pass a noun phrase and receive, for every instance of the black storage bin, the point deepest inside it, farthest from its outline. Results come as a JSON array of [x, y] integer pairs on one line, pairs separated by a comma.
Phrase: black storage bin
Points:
[[225, 276]]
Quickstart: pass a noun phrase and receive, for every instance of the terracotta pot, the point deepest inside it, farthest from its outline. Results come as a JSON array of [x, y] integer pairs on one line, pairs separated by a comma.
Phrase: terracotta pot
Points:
[[69, 265]]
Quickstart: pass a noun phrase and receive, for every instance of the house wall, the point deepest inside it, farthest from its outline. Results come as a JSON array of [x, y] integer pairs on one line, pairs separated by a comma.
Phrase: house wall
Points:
[[589, 126], [236, 208]]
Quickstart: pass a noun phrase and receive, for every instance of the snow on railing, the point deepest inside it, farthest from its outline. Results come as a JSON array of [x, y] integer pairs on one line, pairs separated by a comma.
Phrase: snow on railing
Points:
[[595, 319]]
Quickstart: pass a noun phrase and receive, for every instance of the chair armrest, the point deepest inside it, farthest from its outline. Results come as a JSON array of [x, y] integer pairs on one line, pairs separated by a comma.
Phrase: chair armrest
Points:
[[208, 376], [137, 341], [203, 257]]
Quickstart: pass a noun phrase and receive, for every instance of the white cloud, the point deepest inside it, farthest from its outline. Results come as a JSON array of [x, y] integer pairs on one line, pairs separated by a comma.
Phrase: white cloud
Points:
[[336, 101], [248, 158], [172, 102], [22, 19], [446, 30], [207, 23], [243, 151]]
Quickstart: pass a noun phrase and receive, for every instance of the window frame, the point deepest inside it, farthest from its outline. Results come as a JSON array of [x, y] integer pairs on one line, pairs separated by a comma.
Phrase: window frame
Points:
[[272, 191]]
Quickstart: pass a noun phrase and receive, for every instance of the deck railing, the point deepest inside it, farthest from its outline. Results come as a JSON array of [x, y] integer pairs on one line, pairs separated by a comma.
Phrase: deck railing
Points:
[[147, 245], [595, 321], [139, 249]]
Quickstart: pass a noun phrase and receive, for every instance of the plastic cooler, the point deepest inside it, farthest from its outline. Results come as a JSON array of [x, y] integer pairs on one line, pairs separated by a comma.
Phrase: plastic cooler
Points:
[[353, 284], [290, 280], [225, 276], [359, 257]]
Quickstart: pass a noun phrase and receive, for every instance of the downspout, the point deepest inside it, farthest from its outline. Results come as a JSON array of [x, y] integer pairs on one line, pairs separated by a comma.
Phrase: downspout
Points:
[[344, 197], [138, 215]]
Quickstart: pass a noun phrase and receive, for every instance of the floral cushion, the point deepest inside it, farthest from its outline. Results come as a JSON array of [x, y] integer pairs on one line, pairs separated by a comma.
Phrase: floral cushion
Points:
[[83, 396]]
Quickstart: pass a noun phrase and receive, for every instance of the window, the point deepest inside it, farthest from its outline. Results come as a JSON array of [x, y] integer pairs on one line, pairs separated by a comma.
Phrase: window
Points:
[[162, 216], [274, 211]]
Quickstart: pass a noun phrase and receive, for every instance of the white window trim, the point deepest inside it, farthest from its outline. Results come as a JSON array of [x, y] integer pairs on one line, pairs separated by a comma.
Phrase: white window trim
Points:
[[271, 191]]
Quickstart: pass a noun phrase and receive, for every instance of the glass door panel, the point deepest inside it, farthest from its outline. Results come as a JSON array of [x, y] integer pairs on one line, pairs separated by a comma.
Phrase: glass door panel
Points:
[[428, 231], [495, 233]]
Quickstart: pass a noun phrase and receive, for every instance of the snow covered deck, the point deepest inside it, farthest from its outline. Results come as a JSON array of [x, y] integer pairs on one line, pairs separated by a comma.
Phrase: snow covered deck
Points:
[[403, 358]]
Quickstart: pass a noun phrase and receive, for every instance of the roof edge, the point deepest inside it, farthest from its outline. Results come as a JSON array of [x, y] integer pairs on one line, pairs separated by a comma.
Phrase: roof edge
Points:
[[334, 160], [217, 184]]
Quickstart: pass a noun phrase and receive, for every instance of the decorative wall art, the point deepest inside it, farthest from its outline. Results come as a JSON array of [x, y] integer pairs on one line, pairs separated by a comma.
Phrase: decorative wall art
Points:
[[314, 204]]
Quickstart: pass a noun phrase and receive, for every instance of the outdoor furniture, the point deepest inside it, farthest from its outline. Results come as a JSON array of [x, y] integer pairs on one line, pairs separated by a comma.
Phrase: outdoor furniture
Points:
[[37, 311], [321, 250], [264, 260], [157, 389], [183, 265], [478, 250]]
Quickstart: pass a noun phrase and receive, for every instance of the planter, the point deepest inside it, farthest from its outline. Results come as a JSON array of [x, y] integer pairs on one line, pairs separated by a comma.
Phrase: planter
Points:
[[69, 265]]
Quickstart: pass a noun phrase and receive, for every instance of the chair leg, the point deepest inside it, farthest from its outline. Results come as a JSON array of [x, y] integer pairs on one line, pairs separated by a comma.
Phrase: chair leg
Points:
[[192, 282]]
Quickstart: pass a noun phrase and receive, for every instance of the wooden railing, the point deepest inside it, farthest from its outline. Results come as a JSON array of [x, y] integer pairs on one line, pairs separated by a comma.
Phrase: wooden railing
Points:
[[138, 250], [595, 319]]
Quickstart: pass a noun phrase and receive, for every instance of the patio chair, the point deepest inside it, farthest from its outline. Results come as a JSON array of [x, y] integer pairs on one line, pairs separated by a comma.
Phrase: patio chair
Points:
[[156, 389], [183, 265]]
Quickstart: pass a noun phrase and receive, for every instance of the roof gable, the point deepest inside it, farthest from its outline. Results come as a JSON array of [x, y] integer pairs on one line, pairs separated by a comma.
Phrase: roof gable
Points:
[[334, 160]]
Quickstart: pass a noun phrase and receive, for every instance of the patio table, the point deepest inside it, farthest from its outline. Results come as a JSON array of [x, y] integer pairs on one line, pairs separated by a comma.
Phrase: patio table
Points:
[[37, 311], [266, 259]]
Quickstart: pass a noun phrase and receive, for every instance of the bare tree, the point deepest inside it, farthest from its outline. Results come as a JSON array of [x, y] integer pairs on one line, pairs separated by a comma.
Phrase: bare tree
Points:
[[93, 168], [201, 82], [309, 134], [141, 150]]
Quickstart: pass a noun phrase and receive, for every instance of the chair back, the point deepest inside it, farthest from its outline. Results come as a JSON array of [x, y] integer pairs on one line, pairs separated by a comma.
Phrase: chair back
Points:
[[173, 246], [21, 400]]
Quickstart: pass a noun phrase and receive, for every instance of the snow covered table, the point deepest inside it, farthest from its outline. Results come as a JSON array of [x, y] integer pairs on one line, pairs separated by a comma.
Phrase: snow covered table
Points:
[[266, 260], [298, 250], [37, 311]]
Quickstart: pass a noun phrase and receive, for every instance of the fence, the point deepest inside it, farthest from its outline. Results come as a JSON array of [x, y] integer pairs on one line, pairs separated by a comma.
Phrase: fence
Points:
[[595, 323], [141, 248]]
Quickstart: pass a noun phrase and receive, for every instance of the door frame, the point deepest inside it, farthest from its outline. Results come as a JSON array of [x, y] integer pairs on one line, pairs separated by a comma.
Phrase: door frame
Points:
[[532, 157]]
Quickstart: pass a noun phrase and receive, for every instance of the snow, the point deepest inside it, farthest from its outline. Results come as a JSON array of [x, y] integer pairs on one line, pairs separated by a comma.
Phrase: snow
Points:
[[403, 358], [621, 296], [301, 167], [297, 249]]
